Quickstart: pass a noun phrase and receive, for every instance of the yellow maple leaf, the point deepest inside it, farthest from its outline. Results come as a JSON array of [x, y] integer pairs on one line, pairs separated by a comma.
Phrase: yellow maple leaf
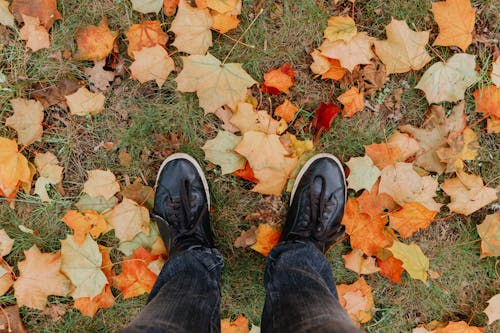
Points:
[[224, 22], [152, 63], [262, 150], [27, 120], [340, 27], [455, 19], [145, 34], [222, 6], [414, 260], [272, 181], [356, 51]]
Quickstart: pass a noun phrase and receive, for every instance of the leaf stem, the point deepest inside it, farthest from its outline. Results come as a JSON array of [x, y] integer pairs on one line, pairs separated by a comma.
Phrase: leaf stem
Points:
[[242, 35]]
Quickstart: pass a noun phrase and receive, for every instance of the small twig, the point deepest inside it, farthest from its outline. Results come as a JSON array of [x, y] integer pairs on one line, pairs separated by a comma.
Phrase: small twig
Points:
[[234, 39], [241, 37], [436, 53]]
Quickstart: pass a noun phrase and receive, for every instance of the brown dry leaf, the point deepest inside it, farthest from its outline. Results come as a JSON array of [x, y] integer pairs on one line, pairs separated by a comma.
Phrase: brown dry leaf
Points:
[[273, 181], [128, 219], [152, 63], [45, 10], [98, 76], [468, 193], [85, 223], [142, 194], [26, 120], [95, 42], [286, 110], [14, 168], [191, 27], [84, 102], [411, 218], [404, 185], [145, 34], [39, 277], [50, 173], [455, 19], [170, 7], [262, 150], [13, 323], [267, 237], [246, 238], [357, 51], [434, 134], [404, 49], [89, 306], [101, 182], [459, 327], [353, 102], [52, 94], [355, 261], [224, 22], [350, 300], [36, 35], [462, 146], [489, 231]]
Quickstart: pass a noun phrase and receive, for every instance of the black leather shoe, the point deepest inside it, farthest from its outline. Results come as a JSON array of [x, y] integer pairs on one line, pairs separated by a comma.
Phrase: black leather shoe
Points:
[[317, 203], [182, 204]]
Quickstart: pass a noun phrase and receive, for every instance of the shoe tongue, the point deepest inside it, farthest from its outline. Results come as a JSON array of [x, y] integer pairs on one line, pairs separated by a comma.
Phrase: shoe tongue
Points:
[[317, 186]]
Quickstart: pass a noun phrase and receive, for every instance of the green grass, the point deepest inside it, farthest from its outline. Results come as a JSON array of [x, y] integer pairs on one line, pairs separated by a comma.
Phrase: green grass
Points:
[[139, 119]]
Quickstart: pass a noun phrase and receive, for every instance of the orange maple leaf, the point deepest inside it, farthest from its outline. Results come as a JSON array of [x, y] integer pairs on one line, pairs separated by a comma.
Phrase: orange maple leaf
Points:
[[169, 7], [336, 71], [359, 313], [267, 238], [459, 327], [391, 268], [278, 80], [410, 218], [145, 34], [135, 278], [382, 154], [455, 19], [374, 203], [84, 223], [89, 306], [353, 102], [488, 100], [286, 110], [239, 325], [95, 42]]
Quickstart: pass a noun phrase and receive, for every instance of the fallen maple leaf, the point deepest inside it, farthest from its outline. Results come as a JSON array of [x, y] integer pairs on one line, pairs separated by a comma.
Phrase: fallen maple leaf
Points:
[[262, 150], [357, 51], [225, 114], [267, 237], [216, 84], [39, 277], [245, 118], [326, 67], [410, 218], [272, 181], [84, 102], [391, 268], [45, 10], [191, 27], [101, 182], [404, 185], [224, 22], [363, 174], [89, 306], [36, 35], [462, 146], [278, 80], [152, 63], [286, 110], [6, 243], [135, 278], [142, 194], [85, 223], [447, 82], [404, 49], [128, 219], [340, 27], [147, 6], [495, 73], [6, 18], [95, 42], [414, 260], [353, 102], [145, 34], [493, 309], [170, 7], [374, 203], [222, 6], [50, 173], [14, 169], [325, 114], [246, 173], [98, 76], [220, 151], [489, 231], [355, 261], [455, 19], [82, 265], [26, 120], [459, 327], [398, 148], [239, 325], [488, 100], [350, 300], [6, 278]]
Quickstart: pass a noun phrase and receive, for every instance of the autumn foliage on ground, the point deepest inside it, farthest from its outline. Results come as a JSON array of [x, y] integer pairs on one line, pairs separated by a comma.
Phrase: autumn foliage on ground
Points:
[[416, 176]]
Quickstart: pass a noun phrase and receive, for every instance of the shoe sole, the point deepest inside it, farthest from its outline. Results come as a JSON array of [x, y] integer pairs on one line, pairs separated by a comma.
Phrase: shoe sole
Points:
[[308, 164], [183, 156]]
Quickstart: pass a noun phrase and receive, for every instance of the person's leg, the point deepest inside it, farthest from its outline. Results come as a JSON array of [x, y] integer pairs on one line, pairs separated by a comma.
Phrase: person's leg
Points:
[[186, 296], [300, 289]]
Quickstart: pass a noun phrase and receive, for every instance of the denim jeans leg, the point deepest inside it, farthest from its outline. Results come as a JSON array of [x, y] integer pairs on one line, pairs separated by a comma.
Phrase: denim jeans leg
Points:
[[186, 296], [300, 292]]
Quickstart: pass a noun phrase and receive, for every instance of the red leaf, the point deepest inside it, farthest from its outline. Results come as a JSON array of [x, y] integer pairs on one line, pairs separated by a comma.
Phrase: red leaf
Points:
[[278, 80], [325, 114], [246, 173]]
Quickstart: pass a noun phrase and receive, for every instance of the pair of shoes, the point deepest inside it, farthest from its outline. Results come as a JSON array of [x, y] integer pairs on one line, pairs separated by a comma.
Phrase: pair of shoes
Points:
[[182, 204]]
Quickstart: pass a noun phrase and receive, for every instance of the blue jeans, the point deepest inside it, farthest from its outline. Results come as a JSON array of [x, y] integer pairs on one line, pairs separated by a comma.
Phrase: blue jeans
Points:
[[300, 294]]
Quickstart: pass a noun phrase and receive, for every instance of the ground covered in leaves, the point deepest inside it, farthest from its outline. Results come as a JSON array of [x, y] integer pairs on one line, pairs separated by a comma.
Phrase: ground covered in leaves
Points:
[[95, 94]]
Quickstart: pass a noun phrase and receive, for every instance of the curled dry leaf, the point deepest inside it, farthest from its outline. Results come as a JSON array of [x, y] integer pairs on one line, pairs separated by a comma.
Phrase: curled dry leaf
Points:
[[36, 35], [101, 182], [152, 63], [26, 120], [95, 42]]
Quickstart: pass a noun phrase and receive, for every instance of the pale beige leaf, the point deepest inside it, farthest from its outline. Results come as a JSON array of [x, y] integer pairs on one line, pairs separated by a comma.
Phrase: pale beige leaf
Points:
[[225, 114], [191, 27], [84, 102], [147, 6], [495, 73], [262, 150], [320, 64], [34, 33], [128, 219], [493, 309], [26, 120], [101, 182], [363, 174], [215, 84], [447, 82], [357, 51], [355, 261], [220, 151], [152, 63], [245, 118], [355, 301], [39, 277], [156, 265], [6, 279], [6, 17], [98, 76], [82, 265], [404, 49], [414, 260], [272, 181], [6, 243], [50, 173]]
